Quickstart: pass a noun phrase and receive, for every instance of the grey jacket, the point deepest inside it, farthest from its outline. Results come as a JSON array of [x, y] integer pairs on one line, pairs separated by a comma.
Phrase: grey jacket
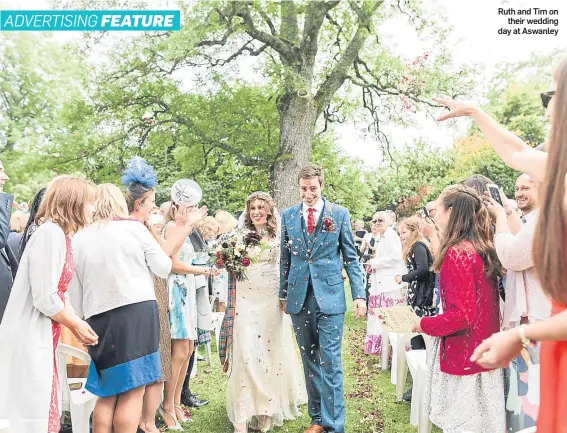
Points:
[[8, 260]]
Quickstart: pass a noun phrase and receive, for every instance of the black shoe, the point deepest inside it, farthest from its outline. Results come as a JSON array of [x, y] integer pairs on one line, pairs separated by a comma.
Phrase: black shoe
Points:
[[193, 401], [407, 396]]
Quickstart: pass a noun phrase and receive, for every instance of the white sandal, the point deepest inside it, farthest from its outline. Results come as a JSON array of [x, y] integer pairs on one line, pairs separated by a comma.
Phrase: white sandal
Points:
[[162, 413]]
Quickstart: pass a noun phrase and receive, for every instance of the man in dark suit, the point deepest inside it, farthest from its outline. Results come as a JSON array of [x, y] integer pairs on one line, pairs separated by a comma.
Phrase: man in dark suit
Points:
[[8, 261]]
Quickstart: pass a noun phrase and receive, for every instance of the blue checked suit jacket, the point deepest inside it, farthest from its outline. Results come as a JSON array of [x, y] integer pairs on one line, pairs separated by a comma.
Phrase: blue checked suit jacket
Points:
[[319, 258]]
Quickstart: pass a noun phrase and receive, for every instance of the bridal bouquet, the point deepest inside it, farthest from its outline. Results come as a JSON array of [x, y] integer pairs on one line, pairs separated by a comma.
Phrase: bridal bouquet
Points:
[[233, 253]]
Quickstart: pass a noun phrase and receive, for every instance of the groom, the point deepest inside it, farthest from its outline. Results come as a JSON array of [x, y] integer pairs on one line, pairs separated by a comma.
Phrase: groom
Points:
[[316, 244]]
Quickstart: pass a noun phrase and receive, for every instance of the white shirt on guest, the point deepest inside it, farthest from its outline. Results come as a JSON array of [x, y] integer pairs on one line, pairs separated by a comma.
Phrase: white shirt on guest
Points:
[[318, 209], [530, 216], [114, 262]]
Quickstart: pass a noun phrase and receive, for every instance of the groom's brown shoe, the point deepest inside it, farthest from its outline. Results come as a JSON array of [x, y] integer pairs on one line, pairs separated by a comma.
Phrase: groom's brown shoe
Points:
[[314, 428]]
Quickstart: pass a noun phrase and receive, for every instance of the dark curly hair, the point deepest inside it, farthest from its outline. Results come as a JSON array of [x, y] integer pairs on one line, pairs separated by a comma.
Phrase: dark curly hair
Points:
[[271, 222], [31, 220]]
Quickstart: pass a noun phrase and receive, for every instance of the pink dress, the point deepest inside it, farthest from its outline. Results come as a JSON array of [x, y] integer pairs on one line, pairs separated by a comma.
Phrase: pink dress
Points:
[[66, 276]]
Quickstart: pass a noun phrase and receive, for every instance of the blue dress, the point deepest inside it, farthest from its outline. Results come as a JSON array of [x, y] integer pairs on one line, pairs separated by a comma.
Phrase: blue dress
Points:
[[182, 296]]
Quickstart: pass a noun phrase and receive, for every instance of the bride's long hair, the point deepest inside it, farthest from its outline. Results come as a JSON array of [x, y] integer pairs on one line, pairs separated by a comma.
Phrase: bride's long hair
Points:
[[272, 221]]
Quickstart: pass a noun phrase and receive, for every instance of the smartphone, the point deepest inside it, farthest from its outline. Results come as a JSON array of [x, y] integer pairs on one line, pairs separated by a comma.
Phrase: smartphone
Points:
[[426, 212], [495, 193]]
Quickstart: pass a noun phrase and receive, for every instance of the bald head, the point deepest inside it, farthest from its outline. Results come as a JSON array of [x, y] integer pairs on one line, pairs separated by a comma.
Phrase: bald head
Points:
[[526, 194]]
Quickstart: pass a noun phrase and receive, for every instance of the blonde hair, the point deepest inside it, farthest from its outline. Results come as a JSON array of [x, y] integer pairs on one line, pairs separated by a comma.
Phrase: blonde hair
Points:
[[110, 204], [18, 221], [64, 203], [226, 221], [415, 226], [208, 226]]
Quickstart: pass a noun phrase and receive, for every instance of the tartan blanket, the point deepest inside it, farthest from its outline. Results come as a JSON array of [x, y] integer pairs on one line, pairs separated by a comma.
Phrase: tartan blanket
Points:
[[225, 339]]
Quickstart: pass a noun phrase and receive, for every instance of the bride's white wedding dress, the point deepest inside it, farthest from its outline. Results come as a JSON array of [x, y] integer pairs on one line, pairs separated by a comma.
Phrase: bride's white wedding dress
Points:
[[266, 384]]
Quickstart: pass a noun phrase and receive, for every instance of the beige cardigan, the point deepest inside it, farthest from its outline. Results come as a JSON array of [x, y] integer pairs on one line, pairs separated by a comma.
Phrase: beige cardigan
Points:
[[524, 296]]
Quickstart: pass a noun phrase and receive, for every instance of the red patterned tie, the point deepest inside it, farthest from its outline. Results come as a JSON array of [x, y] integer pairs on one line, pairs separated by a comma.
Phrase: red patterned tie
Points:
[[311, 220]]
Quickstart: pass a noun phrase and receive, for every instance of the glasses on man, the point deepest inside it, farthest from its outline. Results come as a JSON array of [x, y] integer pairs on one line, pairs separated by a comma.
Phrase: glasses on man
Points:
[[377, 221], [546, 97]]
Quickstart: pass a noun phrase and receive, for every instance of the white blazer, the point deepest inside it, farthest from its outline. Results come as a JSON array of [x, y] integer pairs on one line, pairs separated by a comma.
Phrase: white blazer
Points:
[[26, 340], [387, 262]]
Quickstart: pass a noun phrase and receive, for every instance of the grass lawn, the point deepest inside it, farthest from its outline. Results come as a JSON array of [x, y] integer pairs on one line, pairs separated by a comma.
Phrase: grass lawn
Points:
[[369, 395]]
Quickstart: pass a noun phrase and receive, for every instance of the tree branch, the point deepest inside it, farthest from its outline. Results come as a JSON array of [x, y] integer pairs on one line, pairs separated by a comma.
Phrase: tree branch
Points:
[[314, 18], [284, 49], [267, 20], [289, 26], [212, 42], [339, 73]]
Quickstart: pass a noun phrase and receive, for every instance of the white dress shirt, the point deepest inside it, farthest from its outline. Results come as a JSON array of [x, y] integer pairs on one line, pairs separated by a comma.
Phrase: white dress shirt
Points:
[[318, 209]]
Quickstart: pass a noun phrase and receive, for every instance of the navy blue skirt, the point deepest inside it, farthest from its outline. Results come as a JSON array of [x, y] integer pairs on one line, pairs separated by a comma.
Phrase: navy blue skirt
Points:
[[127, 354]]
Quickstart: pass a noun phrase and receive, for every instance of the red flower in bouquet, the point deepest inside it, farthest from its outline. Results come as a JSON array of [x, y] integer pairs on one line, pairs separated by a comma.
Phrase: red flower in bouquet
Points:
[[220, 263], [329, 224], [245, 262]]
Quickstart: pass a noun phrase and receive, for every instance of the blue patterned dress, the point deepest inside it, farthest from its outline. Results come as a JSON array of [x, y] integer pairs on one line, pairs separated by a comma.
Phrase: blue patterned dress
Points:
[[182, 299]]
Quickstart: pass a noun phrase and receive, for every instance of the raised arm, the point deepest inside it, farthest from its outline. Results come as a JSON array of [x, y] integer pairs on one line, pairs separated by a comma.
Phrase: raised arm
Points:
[[513, 151]]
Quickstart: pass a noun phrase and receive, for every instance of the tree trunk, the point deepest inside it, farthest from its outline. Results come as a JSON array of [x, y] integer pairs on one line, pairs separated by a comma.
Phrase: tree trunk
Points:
[[297, 120]]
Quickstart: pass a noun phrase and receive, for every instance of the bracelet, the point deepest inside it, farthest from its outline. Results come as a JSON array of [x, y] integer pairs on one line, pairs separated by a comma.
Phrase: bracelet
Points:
[[525, 341], [510, 212]]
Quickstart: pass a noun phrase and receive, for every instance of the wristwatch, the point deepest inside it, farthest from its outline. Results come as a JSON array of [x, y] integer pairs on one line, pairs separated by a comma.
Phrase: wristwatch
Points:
[[525, 341]]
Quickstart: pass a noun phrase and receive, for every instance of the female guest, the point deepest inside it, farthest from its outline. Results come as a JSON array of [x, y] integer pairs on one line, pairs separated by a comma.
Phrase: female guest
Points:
[[418, 257], [226, 221], [385, 264], [265, 385], [31, 327], [115, 259], [550, 248], [468, 267], [184, 305]]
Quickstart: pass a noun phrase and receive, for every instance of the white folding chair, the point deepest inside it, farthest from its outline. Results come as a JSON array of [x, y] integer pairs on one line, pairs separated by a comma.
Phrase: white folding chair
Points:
[[80, 402], [528, 430], [399, 370], [417, 364]]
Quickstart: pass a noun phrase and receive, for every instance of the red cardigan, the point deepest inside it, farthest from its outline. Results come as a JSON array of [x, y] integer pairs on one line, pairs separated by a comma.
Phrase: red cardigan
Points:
[[471, 310]]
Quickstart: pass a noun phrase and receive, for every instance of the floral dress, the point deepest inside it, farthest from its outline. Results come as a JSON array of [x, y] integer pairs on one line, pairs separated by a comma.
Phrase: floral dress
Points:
[[64, 280]]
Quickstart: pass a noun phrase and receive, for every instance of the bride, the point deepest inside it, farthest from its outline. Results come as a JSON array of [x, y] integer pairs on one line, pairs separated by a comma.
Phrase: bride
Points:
[[266, 384]]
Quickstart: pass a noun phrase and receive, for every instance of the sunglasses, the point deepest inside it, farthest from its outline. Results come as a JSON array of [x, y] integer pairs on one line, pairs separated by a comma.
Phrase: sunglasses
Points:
[[377, 221], [546, 97]]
